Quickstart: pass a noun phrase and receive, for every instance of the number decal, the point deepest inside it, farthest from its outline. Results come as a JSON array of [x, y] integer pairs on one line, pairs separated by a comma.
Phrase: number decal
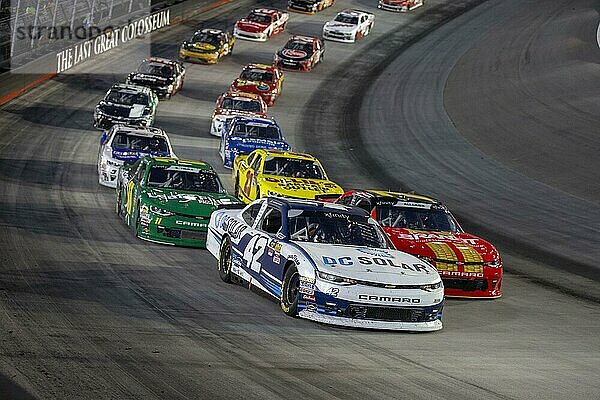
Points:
[[255, 248], [248, 183], [129, 203]]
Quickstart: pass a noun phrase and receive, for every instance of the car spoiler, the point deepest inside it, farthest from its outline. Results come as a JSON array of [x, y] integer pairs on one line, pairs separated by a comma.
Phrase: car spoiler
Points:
[[328, 198], [231, 206]]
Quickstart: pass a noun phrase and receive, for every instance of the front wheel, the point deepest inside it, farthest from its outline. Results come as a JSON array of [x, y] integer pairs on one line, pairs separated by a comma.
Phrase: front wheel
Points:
[[289, 292], [135, 227], [225, 260]]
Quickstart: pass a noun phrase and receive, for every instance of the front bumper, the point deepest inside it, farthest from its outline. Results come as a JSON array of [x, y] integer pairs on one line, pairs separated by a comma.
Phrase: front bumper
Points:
[[371, 324], [177, 230], [474, 288], [255, 36], [339, 36], [207, 58], [302, 8], [292, 65]]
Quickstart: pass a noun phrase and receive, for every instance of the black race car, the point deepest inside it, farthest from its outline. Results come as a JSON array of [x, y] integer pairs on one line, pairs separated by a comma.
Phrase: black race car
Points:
[[165, 77], [300, 53]]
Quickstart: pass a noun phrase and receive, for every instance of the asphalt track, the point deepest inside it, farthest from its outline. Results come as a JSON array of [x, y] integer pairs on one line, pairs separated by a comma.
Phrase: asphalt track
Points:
[[87, 311]]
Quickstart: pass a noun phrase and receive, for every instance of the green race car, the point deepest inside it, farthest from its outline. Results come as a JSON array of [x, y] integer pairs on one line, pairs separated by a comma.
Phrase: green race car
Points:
[[168, 200]]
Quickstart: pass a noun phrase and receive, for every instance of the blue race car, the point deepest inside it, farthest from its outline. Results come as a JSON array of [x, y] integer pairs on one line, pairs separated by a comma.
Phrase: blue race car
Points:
[[242, 135], [125, 144], [326, 262]]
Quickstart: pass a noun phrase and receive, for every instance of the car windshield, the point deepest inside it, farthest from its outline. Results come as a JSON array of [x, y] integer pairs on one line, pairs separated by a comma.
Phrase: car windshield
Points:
[[261, 131], [298, 45], [252, 74], [184, 178], [140, 143], [334, 227], [241, 105], [126, 97], [207, 37], [158, 69], [261, 18], [346, 19], [419, 218], [293, 168]]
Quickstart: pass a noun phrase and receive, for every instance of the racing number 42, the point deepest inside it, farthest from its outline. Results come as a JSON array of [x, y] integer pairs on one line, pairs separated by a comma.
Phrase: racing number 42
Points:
[[255, 248]]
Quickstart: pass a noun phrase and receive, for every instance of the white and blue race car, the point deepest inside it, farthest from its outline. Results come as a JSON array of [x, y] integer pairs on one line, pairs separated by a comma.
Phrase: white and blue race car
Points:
[[326, 262]]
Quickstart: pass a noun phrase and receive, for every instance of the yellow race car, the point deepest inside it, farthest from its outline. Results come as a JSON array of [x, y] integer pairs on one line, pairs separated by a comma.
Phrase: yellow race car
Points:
[[265, 173], [207, 45]]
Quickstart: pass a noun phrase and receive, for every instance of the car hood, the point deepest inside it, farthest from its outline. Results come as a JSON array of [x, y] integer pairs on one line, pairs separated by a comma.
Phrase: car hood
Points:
[[227, 112], [293, 54], [252, 86], [187, 203], [251, 26], [299, 187], [340, 26], [444, 246], [387, 266], [204, 46], [120, 110], [247, 145]]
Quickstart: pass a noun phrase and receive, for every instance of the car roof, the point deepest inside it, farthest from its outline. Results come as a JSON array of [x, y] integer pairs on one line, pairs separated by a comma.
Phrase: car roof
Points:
[[300, 38], [179, 162], [352, 12], [267, 11], [288, 154], [236, 94], [161, 60], [209, 30], [249, 120], [140, 131], [131, 88], [260, 66], [314, 205], [384, 195]]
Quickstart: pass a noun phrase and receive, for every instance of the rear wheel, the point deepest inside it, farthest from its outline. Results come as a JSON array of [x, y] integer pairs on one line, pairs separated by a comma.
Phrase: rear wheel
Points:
[[225, 260], [236, 187], [258, 194], [289, 292], [135, 226]]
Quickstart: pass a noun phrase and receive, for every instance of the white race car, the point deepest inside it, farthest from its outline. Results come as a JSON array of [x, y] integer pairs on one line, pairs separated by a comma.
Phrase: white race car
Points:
[[326, 262], [349, 26], [125, 144]]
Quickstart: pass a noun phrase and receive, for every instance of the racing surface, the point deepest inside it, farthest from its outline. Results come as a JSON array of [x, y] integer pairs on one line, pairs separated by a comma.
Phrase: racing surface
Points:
[[89, 312]]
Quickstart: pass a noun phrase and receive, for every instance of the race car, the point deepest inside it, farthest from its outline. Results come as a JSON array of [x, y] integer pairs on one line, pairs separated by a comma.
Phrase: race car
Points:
[[282, 174], [309, 6], [233, 104], [348, 26], [207, 45], [126, 104], [264, 80], [424, 227], [327, 263], [165, 77], [399, 5], [125, 144], [167, 200], [242, 135], [261, 24], [301, 53]]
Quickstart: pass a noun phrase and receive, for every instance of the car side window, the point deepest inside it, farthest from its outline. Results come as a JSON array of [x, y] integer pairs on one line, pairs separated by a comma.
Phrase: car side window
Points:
[[363, 203], [250, 213], [346, 200], [271, 220], [256, 163], [250, 159]]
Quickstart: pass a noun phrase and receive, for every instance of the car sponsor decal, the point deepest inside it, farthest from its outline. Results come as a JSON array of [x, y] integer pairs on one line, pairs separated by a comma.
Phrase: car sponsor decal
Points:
[[389, 299], [364, 260], [291, 53], [187, 197], [233, 227]]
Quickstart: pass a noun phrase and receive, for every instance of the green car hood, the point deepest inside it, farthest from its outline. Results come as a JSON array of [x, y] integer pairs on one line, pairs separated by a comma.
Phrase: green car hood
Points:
[[188, 203]]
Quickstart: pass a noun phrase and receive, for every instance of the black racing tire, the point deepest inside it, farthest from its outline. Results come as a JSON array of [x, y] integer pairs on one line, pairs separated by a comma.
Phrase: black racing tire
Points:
[[225, 260], [136, 221], [258, 194], [118, 206], [236, 187], [290, 288], [230, 49]]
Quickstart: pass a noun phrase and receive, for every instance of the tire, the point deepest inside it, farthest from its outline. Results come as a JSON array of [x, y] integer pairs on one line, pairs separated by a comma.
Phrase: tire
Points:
[[136, 221], [230, 49], [225, 260], [289, 292], [118, 207], [236, 187], [258, 195]]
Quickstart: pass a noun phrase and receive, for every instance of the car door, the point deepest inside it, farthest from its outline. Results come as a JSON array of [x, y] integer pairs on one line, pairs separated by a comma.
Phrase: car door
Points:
[[251, 189], [263, 253]]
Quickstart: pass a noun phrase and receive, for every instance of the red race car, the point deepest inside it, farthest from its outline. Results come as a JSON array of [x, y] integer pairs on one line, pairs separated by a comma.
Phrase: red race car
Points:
[[419, 225], [300, 53], [261, 24], [232, 104], [261, 79]]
